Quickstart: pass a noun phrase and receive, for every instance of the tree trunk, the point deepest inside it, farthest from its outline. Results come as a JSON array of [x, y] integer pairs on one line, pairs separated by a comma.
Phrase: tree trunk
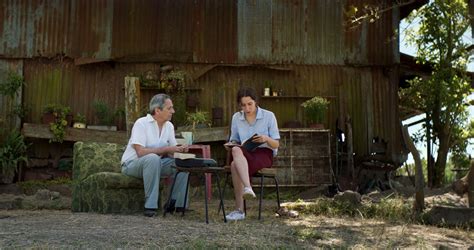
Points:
[[419, 181], [440, 164]]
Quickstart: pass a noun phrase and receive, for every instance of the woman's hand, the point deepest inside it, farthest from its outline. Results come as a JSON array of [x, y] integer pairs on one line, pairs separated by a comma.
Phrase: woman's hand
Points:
[[260, 139]]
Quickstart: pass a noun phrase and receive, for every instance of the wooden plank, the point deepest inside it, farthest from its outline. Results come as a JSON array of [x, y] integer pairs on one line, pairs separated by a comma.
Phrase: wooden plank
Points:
[[75, 134], [208, 134]]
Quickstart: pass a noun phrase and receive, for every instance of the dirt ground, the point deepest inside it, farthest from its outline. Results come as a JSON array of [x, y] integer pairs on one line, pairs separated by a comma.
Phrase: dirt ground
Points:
[[62, 228]]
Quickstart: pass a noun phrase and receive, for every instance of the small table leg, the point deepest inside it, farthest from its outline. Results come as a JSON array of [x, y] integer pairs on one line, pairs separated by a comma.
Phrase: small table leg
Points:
[[205, 197], [169, 196]]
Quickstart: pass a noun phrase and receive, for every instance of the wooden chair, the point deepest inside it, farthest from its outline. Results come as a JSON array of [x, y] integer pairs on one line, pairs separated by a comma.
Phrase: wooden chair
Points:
[[261, 174]]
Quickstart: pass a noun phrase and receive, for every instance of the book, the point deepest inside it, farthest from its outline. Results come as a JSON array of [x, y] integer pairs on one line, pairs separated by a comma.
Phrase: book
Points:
[[184, 156], [248, 144]]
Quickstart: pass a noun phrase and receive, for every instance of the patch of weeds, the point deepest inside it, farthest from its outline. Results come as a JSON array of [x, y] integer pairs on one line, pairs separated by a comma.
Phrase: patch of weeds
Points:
[[392, 209], [30, 187], [307, 233]]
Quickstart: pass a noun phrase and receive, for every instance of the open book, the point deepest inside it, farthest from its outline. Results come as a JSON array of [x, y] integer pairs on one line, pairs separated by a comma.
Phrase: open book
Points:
[[248, 144], [183, 156]]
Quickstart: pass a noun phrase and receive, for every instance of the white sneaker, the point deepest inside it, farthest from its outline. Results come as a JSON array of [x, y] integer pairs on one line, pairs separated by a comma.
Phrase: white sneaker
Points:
[[235, 215], [248, 193]]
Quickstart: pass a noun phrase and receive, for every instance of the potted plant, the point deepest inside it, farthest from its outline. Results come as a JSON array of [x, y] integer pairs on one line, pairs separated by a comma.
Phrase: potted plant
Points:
[[105, 115], [12, 153], [79, 121], [315, 110], [198, 118], [59, 118]]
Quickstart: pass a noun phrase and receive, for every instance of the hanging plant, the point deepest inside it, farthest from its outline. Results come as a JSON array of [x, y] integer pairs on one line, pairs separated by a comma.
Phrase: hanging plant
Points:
[[10, 86]]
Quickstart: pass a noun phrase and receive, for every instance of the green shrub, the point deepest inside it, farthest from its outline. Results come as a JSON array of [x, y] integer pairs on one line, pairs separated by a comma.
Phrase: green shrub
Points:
[[10, 86], [12, 153]]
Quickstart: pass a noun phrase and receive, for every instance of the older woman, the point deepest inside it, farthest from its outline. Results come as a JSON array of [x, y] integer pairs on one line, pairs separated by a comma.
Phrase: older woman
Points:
[[251, 120]]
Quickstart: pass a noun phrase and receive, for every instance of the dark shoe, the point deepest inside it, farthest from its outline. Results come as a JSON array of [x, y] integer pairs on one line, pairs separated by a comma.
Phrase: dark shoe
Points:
[[149, 212], [169, 208]]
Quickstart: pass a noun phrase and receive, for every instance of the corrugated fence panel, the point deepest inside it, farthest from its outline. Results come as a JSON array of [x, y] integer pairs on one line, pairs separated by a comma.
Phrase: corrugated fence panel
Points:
[[254, 21], [175, 30], [93, 21], [324, 26], [215, 32], [135, 25], [372, 43], [288, 31], [8, 119], [35, 28], [60, 82]]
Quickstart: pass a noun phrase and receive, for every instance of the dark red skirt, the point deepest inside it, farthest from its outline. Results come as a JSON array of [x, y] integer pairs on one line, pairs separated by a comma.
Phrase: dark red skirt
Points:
[[258, 159]]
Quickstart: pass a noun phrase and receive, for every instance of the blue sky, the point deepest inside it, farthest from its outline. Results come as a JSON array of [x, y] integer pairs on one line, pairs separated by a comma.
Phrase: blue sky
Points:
[[407, 49]]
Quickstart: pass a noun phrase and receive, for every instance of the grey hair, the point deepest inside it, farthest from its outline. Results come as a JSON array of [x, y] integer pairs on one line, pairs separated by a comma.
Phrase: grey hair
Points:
[[158, 101]]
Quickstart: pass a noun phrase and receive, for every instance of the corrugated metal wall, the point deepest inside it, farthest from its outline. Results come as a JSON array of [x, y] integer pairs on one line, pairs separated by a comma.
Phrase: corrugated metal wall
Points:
[[204, 31], [367, 95], [307, 41]]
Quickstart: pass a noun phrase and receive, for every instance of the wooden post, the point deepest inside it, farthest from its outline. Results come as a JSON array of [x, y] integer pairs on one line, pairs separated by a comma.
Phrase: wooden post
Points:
[[132, 101], [470, 186], [419, 181], [350, 147]]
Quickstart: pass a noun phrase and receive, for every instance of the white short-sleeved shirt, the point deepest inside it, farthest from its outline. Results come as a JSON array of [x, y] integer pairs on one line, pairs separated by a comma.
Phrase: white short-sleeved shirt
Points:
[[145, 132]]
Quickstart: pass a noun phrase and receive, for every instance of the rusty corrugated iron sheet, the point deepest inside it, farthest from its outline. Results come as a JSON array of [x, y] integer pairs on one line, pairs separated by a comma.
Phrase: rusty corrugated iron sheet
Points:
[[35, 28], [228, 31], [372, 43]]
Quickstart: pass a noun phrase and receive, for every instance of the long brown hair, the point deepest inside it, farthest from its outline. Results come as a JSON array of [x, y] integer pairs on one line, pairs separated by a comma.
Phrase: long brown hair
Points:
[[246, 91]]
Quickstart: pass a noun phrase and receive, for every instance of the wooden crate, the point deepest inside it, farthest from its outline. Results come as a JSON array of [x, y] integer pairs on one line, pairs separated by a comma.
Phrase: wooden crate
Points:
[[303, 158]]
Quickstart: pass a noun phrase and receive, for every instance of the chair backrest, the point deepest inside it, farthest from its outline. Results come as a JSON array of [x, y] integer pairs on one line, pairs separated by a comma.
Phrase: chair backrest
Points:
[[94, 157]]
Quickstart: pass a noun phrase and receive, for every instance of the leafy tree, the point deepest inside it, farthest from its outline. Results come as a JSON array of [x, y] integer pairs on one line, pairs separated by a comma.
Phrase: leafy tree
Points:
[[442, 95]]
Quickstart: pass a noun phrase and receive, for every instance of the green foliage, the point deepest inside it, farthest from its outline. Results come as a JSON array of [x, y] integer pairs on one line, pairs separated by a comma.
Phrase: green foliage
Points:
[[315, 109], [443, 95], [173, 81], [10, 86], [20, 111], [198, 117], [12, 152], [80, 118], [104, 113], [58, 127]]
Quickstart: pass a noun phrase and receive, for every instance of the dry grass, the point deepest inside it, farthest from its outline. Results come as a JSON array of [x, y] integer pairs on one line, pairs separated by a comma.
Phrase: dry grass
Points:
[[61, 228]]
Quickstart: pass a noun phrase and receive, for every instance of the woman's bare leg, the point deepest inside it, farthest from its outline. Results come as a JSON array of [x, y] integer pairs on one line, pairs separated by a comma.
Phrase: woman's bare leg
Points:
[[240, 176]]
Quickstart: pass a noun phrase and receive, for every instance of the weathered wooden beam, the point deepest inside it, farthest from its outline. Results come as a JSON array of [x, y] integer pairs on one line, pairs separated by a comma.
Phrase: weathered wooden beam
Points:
[[75, 134], [208, 134]]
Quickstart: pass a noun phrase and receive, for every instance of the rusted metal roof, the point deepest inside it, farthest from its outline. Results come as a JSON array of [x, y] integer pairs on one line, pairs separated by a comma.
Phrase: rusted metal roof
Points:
[[222, 32]]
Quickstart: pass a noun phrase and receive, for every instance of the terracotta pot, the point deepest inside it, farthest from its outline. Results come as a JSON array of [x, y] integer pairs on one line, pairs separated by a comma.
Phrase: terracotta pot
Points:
[[48, 118], [69, 120]]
